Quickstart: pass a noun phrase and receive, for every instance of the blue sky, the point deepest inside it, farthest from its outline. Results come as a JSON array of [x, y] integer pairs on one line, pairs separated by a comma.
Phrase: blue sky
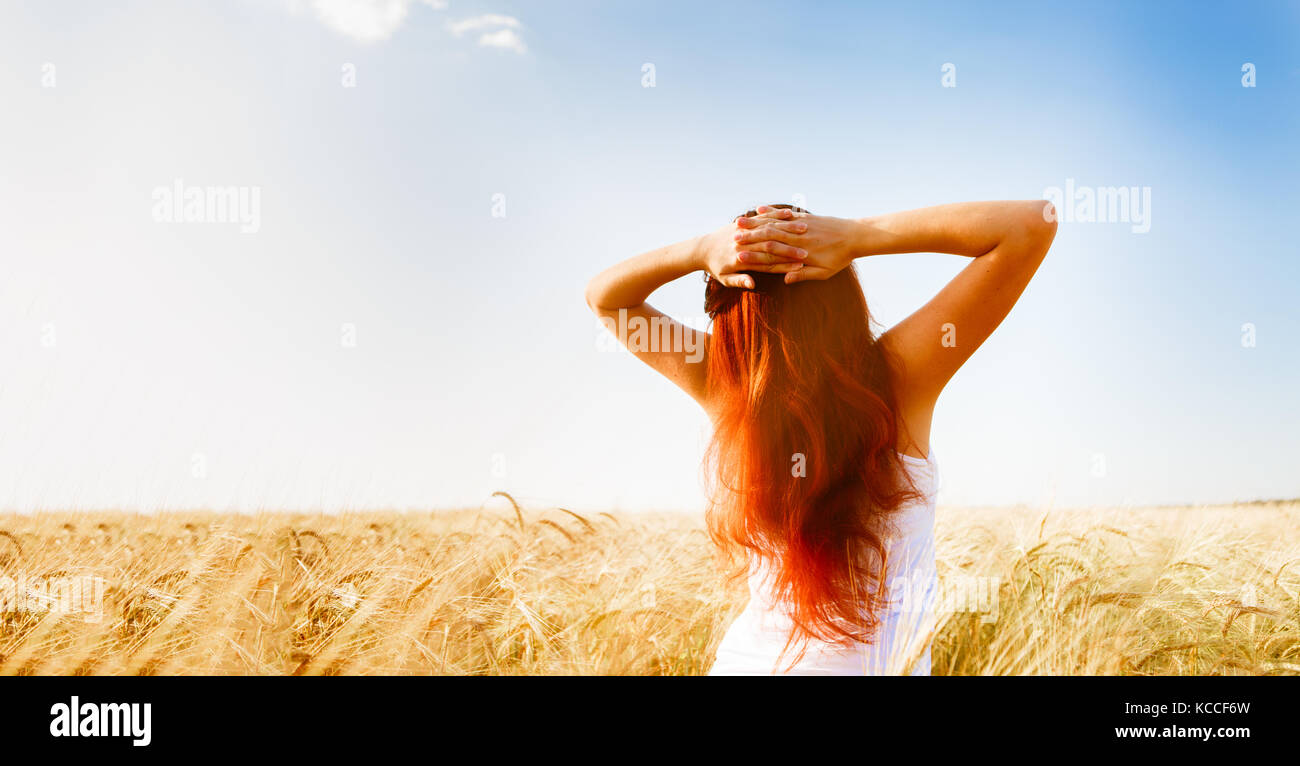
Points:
[[165, 365]]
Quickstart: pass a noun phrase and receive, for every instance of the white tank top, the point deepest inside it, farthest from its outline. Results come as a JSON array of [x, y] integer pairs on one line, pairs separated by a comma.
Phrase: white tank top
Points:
[[753, 643]]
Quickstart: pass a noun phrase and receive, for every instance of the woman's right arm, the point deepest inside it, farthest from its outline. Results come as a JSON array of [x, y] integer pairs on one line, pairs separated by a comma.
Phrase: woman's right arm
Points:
[[618, 296], [1007, 241]]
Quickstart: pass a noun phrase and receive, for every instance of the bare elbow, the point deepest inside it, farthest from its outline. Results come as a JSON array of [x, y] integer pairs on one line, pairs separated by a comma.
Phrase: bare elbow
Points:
[[1040, 222], [592, 295]]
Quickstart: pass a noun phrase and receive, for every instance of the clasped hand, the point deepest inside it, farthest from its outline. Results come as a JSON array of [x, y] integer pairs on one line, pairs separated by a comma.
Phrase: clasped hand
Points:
[[801, 246]]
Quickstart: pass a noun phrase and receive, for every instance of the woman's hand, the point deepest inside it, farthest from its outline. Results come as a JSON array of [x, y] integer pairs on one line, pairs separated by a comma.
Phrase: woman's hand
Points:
[[830, 243], [719, 251]]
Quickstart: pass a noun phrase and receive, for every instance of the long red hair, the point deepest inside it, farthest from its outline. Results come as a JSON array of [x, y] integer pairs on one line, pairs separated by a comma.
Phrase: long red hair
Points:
[[803, 463]]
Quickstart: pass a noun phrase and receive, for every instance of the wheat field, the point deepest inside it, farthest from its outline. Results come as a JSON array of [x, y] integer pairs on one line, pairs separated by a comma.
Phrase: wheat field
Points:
[[1171, 591]]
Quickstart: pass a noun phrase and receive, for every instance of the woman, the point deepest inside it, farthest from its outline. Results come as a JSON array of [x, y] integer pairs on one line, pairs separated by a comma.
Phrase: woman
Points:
[[824, 481]]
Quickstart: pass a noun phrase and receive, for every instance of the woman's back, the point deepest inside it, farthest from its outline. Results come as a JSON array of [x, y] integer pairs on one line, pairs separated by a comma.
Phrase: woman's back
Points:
[[753, 644], [810, 408]]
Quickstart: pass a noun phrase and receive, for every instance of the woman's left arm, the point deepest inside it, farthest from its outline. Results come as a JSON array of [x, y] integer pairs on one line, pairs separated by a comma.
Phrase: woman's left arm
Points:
[[618, 296]]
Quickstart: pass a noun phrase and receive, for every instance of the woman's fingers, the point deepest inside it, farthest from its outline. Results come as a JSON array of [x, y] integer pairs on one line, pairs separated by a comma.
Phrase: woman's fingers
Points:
[[754, 221], [771, 214], [758, 252], [783, 231], [768, 242], [774, 268], [808, 273], [746, 259]]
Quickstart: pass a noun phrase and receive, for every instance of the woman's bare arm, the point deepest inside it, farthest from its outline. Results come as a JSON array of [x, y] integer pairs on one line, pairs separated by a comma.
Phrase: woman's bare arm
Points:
[[618, 296], [1007, 241]]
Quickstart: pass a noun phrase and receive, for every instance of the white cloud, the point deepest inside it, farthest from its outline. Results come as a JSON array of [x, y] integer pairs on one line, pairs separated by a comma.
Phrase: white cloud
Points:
[[504, 38], [365, 21], [372, 21], [485, 21], [505, 34]]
